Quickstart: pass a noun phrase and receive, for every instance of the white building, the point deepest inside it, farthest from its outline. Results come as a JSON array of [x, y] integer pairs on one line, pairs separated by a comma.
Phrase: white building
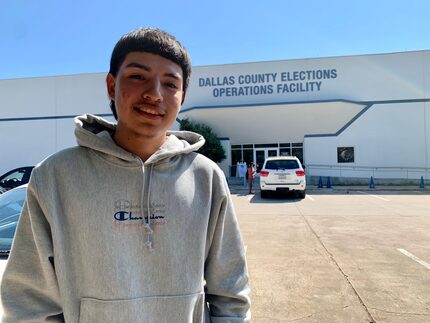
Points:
[[352, 116]]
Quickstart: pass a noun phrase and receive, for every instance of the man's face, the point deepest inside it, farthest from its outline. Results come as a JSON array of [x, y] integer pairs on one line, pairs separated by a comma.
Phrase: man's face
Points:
[[147, 92]]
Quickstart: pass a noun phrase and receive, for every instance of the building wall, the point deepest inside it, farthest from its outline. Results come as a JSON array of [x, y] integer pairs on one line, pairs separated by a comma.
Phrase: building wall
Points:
[[390, 141], [358, 78], [42, 111], [391, 134], [36, 114], [275, 123]]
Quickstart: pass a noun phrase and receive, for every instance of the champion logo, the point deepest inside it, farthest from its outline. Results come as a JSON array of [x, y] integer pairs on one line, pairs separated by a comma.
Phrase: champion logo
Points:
[[124, 216], [128, 212]]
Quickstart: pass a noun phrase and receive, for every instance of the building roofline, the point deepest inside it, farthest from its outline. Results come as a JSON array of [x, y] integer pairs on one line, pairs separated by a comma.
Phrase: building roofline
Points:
[[52, 76], [239, 63], [317, 58], [363, 103]]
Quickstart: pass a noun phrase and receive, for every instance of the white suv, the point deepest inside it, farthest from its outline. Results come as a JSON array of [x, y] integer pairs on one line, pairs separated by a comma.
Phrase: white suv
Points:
[[282, 174]]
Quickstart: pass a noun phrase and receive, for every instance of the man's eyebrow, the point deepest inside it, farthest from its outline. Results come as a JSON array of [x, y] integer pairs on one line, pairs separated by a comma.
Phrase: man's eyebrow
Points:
[[138, 65], [173, 75], [176, 76]]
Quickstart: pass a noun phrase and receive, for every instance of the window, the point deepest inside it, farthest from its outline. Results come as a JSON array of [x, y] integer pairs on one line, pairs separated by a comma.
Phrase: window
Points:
[[236, 156], [248, 155], [265, 145], [15, 177], [282, 164], [298, 152], [245, 152]]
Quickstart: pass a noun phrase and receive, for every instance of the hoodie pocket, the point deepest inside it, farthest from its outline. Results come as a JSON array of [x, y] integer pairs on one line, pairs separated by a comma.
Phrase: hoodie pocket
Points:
[[159, 309]]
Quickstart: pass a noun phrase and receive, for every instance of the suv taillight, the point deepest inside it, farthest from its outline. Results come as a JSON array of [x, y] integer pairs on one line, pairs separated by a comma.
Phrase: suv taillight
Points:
[[300, 172], [264, 173]]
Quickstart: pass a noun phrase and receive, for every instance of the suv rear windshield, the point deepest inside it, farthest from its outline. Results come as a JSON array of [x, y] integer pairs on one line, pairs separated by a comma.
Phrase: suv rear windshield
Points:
[[282, 164]]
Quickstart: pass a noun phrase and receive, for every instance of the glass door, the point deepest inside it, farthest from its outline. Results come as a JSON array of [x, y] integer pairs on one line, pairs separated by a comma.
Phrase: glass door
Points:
[[272, 152], [261, 154], [259, 158]]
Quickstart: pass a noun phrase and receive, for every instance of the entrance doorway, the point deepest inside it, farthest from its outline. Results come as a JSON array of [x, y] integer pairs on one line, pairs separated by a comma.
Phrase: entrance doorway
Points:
[[260, 155]]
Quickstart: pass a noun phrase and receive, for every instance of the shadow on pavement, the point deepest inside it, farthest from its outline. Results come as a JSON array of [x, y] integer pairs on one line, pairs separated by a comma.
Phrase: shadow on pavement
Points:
[[273, 198], [335, 190], [366, 190]]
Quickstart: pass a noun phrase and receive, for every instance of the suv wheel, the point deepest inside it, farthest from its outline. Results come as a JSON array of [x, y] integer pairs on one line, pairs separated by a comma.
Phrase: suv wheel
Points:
[[301, 194]]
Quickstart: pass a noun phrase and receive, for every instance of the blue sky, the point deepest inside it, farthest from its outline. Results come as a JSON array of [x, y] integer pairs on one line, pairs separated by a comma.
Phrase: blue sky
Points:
[[58, 37]]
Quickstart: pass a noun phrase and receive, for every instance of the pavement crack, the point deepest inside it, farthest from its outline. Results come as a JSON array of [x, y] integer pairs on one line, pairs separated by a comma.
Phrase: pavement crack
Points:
[[337, 265], [399, 313]]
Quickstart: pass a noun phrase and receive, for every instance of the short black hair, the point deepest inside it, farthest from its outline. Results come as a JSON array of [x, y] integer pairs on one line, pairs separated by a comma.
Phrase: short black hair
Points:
[[154, 41]]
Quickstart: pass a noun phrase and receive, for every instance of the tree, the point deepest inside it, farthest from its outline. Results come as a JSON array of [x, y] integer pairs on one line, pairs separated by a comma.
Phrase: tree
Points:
[[212, 147]]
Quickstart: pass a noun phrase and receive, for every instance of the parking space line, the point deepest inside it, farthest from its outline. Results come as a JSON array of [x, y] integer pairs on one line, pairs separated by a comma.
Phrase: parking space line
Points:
[[249, 198], [375, 196], [413, 257], [310, 197]]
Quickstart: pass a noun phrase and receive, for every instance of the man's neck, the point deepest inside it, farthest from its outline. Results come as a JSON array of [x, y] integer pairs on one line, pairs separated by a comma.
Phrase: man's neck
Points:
[[143, 147]]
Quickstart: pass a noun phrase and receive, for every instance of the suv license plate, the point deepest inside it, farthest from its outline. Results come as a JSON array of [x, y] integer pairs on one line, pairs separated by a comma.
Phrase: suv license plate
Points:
[[282, 176]]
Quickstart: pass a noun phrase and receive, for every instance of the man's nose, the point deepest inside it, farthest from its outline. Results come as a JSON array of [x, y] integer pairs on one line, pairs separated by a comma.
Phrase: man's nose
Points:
[[153, 91]]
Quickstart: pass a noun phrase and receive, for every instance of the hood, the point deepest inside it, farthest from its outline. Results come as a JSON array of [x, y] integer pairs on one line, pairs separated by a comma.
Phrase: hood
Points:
[[97, 133]]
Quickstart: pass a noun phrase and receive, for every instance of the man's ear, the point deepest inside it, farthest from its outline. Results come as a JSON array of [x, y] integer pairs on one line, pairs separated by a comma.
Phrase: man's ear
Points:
[[110, 84], [183, 98]]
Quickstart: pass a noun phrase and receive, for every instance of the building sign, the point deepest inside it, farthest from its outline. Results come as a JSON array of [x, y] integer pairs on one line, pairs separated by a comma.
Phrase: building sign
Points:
[[267, 83]]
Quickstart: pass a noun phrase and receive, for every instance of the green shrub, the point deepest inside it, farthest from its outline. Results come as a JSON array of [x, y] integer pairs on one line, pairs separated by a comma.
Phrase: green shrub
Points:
[[212, 147]]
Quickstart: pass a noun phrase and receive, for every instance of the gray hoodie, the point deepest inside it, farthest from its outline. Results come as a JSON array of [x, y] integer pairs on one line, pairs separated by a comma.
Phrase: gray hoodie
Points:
[[104, 237]]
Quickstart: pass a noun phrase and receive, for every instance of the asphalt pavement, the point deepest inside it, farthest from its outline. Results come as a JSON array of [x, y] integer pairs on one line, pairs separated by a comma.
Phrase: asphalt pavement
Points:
[[345, 254]]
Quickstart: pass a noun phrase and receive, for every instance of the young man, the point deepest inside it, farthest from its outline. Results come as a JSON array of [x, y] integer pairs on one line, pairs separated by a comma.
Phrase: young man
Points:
[[132, 225]]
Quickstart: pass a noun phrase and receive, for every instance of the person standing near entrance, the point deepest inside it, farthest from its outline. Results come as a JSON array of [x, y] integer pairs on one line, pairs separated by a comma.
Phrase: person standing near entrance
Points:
[[252, 170], [132, 225]]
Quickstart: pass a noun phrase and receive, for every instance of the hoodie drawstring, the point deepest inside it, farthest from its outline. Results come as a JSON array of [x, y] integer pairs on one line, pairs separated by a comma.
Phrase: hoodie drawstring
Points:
[[147, 223], [149, 231]]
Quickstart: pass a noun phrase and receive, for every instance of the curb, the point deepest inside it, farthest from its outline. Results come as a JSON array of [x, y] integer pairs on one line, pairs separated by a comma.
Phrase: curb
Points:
[[234, 188]]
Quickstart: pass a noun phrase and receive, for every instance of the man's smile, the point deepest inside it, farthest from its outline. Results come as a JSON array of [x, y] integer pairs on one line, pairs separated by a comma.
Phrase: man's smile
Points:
[[145, 111]]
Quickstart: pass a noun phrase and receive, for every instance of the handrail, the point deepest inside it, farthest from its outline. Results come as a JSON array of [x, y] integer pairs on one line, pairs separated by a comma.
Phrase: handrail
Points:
[[367, 167], [375, 171]]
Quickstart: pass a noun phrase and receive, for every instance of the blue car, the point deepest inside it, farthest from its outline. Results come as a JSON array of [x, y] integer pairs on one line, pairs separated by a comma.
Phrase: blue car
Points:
[[11, 204]]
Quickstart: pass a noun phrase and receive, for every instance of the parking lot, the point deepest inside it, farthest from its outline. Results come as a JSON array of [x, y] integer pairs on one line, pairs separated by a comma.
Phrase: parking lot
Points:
[[338, 256]]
